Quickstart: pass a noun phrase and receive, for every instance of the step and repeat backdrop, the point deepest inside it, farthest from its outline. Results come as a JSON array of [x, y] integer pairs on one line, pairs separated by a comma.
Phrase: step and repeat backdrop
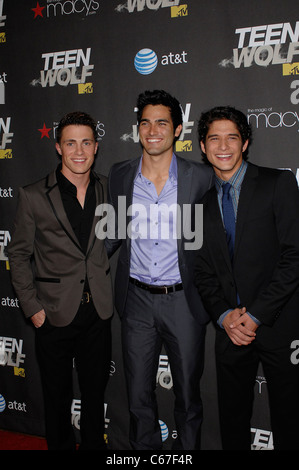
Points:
[[58, 56]]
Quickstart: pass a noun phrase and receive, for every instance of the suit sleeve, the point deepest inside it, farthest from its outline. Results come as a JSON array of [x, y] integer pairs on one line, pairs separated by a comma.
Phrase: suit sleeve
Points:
[[207, 279], [20, 252], [285, 279]]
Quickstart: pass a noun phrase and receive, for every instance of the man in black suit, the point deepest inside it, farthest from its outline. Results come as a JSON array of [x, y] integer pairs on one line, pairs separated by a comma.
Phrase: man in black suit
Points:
[[247, 273], [154, 289]]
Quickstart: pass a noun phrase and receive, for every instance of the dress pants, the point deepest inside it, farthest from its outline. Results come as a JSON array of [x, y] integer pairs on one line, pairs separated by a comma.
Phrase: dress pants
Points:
[[87, 340], [150, 321], [236, 373]]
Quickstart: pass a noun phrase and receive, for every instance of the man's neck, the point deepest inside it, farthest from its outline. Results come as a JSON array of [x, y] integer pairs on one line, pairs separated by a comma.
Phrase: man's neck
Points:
[[156, 169], [79, 180], [155, 166]]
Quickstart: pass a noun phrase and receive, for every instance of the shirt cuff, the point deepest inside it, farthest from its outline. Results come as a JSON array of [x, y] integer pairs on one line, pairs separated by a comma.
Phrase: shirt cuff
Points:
[[221, 318]]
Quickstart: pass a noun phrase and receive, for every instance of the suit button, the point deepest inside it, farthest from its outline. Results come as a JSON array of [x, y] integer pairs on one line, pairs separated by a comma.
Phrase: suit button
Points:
[[82, 280]]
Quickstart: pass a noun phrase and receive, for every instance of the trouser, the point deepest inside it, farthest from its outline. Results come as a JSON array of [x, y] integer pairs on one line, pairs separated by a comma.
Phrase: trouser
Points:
[[236, 374], [87, 339], [150, 321]]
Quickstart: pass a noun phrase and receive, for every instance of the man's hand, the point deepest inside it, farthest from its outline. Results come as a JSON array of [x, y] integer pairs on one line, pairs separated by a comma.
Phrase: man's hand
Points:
[[240, 327], [38, 318]]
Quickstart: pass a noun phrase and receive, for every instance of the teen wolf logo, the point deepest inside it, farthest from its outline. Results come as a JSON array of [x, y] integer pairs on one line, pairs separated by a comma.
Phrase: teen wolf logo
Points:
[[150, 4], [2, 18], [4, 241], [63, 68], [264, 45]]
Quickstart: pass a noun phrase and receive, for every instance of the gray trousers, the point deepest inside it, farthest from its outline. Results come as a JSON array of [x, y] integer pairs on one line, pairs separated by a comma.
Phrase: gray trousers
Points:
[[150, 321]]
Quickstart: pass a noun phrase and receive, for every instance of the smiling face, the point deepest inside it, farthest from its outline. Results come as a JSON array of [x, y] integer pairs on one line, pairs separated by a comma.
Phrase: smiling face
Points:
[[224, 148], [77, 148], [156, 131]]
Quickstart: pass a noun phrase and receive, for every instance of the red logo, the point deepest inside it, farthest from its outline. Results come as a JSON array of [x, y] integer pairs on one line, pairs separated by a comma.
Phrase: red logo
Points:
[[37, 10], [45, 131]]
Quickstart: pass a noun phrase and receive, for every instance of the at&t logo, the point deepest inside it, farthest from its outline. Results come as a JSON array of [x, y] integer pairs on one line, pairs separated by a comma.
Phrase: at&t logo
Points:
[[164, 430], [2, 404], [146, 61]]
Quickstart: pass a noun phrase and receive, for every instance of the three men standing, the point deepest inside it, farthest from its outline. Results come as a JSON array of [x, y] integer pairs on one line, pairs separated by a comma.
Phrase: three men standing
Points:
[[247, 275]]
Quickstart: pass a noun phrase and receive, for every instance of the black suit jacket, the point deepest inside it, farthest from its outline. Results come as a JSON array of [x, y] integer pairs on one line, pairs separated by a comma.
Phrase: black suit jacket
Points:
[[266, 259], [194, 179]]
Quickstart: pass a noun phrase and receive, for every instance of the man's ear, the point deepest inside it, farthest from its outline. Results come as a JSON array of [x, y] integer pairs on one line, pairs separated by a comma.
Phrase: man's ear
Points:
[[202, 146], [58, 148]]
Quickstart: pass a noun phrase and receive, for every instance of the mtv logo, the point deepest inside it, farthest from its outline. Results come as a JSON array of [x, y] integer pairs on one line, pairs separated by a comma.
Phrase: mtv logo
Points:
[[181, 10], [183, 145], [290, 69], [19, 371], [84, 88], [6, 153]]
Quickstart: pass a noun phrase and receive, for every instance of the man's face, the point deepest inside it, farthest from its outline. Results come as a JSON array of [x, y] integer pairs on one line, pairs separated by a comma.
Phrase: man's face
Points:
[[224, 148], [77, 149], [156, 131]]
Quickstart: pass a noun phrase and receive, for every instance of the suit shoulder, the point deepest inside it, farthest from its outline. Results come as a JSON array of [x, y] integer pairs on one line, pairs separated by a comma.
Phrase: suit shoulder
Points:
[[200, 167], [101, 178], [122, 166], [275, 173], [36, 185]]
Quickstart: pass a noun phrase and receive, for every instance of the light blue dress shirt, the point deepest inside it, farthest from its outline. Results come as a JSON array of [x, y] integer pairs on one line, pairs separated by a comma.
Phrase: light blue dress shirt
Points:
[[154, 257]]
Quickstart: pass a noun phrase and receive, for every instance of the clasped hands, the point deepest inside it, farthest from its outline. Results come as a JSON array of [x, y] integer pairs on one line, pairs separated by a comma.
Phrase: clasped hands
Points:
[[240, 327]]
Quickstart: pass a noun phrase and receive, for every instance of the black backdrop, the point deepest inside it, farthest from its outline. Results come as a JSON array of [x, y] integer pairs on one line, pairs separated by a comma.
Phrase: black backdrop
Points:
[[64, 55]]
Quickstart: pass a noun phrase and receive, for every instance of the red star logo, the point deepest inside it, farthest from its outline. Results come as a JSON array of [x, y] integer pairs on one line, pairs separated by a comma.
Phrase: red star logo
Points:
[[45, 131], [37, 10]]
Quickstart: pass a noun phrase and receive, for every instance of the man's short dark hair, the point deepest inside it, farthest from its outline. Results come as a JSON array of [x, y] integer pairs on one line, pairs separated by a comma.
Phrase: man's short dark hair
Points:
[[157, 97], [224, 112], [76, 118]]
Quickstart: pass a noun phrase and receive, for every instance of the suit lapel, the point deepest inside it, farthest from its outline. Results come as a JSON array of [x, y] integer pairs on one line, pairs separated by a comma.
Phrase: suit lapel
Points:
[[185, 172], [216, 228], [246, 194], [128, 186], [56, 203], [99, 192]]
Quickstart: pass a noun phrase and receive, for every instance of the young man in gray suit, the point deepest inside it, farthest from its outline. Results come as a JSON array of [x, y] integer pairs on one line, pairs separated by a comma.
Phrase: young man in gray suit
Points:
[[60, 272], [154, 291]]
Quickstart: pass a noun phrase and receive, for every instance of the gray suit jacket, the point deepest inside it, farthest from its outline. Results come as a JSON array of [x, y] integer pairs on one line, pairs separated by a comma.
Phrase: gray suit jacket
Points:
[[48, 267], [194, 179]]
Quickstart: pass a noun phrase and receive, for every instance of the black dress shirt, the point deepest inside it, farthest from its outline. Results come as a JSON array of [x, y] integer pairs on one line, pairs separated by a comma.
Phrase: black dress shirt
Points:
[[80, 218]]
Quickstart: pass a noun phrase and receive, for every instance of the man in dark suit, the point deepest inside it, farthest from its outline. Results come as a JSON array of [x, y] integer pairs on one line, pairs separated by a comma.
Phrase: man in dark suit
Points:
[[60, 271], [247, 273], [155, 295]]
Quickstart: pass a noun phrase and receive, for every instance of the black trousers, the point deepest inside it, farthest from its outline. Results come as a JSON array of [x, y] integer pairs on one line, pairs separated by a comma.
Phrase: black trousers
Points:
[[150, 321], [87, 340], [236, 374]]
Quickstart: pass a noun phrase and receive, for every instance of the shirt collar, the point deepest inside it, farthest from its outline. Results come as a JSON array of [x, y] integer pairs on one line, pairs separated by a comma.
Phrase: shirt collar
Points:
[[65, 184], [236, 180]]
